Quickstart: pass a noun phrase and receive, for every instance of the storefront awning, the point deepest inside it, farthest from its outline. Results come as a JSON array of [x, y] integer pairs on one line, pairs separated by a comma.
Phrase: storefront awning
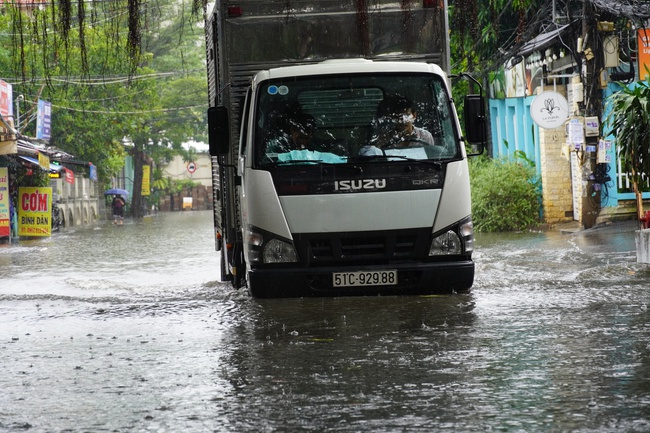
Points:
[[53, 167]]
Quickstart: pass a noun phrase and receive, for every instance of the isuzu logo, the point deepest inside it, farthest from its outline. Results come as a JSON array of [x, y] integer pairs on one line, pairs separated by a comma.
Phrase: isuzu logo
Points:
[[361, 184]]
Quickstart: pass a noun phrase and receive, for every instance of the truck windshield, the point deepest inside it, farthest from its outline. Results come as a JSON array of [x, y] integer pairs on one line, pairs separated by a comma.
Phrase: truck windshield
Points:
[[357, 118]]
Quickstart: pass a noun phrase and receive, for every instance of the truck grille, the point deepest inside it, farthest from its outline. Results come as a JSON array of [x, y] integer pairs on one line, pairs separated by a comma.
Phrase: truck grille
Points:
[[342, 248]]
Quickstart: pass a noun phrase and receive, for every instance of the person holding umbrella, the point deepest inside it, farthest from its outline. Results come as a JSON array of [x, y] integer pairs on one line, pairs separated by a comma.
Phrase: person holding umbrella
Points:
[[118, 209]]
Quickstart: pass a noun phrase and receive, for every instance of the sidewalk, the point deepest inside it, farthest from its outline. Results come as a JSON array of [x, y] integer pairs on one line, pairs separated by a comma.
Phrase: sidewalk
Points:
[[616, 226]]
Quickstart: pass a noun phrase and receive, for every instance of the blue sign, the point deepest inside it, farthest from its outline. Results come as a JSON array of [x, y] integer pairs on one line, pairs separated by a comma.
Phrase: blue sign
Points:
[[43, 120]]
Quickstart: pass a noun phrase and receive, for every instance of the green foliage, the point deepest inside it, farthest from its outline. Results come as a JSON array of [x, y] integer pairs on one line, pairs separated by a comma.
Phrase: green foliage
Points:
[[505, 195], [160, 182], [481, 34], [520, 154], [99, 95], [183, 184], [629, 120], [482, 30], [32, 177]]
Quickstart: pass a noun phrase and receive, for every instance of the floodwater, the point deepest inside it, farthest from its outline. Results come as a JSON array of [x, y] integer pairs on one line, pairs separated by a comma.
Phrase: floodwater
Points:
[[126, 329]]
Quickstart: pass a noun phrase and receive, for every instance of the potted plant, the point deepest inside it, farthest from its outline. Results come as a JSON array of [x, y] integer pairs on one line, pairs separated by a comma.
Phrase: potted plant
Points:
[[629, 120]]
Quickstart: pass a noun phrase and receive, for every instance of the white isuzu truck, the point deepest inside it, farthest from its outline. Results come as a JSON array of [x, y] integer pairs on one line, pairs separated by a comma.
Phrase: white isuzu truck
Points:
[[339, 164]]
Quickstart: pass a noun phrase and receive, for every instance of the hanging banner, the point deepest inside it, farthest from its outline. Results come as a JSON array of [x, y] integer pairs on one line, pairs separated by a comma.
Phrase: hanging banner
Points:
[[44, 120], [34, 211], [43, 161], [5, 214], [69, 175], [146, 183], [92, 171]]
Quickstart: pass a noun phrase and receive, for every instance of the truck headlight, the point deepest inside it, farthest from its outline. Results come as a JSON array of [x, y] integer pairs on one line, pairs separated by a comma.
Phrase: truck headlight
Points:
[[454, 243], [446, 244], [277, 251]]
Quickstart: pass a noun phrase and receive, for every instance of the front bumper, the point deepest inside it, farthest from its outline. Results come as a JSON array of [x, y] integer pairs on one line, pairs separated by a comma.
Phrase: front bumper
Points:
[[412, 279]]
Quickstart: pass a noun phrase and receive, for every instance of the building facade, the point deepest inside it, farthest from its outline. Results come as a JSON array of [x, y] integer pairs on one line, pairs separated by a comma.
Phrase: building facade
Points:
[[577, 160]]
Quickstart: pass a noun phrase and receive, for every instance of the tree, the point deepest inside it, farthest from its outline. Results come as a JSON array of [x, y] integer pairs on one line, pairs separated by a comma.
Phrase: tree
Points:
[[482, 29], [62, 17], [98, 95], [629, 120], [85, 115]]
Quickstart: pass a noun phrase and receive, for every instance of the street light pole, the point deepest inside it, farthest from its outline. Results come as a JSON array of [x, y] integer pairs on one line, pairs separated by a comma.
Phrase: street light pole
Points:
[[18, 99]]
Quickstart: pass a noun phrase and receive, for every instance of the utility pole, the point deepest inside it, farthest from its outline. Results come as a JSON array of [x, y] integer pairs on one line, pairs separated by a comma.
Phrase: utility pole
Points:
[[592, 109]]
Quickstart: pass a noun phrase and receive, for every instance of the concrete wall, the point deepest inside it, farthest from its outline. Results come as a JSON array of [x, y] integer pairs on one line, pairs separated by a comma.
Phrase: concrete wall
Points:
[[200, 171], [514, 130], [79, 201], [201, 199]]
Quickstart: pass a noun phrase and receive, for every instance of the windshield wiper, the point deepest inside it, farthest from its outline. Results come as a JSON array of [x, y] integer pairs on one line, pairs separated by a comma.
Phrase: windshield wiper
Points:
[[313, 162], [293, 162], [400, 157]]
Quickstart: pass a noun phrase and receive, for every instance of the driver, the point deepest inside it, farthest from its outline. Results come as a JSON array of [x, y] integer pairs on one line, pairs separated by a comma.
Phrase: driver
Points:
[[297, 135], [395, 118]]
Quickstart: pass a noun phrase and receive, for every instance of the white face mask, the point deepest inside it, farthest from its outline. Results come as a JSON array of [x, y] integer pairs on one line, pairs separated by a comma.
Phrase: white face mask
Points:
[[407, 118]]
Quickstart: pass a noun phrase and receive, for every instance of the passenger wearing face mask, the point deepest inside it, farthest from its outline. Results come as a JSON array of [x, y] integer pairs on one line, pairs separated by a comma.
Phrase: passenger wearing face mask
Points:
[[395, 120]]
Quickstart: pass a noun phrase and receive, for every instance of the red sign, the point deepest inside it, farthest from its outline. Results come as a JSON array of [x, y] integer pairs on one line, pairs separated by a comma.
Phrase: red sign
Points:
[[191, 167], [69, 175]]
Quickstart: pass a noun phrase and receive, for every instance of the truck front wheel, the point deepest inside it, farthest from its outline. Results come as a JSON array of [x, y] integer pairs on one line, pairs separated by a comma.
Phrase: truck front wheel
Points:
[[239, 266]]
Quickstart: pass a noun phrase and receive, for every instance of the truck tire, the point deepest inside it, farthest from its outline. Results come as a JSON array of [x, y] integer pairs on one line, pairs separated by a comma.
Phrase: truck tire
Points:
[[239, 279]]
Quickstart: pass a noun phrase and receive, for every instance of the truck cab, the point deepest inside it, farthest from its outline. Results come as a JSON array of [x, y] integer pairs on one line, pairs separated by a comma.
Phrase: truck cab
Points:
[[340, 176]]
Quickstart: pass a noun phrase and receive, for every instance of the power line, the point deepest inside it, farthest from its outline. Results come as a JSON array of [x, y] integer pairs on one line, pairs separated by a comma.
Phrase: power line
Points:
[[159, 110], [98, 81]]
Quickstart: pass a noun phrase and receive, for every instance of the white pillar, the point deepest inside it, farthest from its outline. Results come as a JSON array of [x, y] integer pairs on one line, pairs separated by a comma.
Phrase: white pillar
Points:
[[643, 246]]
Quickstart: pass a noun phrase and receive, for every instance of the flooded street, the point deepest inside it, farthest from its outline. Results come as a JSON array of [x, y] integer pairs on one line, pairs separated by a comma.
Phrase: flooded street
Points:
[[126, 328]]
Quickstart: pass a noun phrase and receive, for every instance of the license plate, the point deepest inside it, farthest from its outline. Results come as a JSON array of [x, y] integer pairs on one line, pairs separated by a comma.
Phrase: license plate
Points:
[[364, 278]]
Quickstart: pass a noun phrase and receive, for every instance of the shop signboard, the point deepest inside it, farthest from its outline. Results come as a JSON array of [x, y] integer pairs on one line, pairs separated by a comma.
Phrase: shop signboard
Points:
[[34, 211], [549, 110], [5, 215], [146, 183]]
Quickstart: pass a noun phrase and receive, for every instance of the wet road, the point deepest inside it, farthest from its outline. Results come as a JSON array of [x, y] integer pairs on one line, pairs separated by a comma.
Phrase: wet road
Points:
[[126, 329]]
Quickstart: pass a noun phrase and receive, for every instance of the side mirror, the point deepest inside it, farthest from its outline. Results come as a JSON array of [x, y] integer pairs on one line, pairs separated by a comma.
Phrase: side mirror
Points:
[[475, 120], [218, 131]]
